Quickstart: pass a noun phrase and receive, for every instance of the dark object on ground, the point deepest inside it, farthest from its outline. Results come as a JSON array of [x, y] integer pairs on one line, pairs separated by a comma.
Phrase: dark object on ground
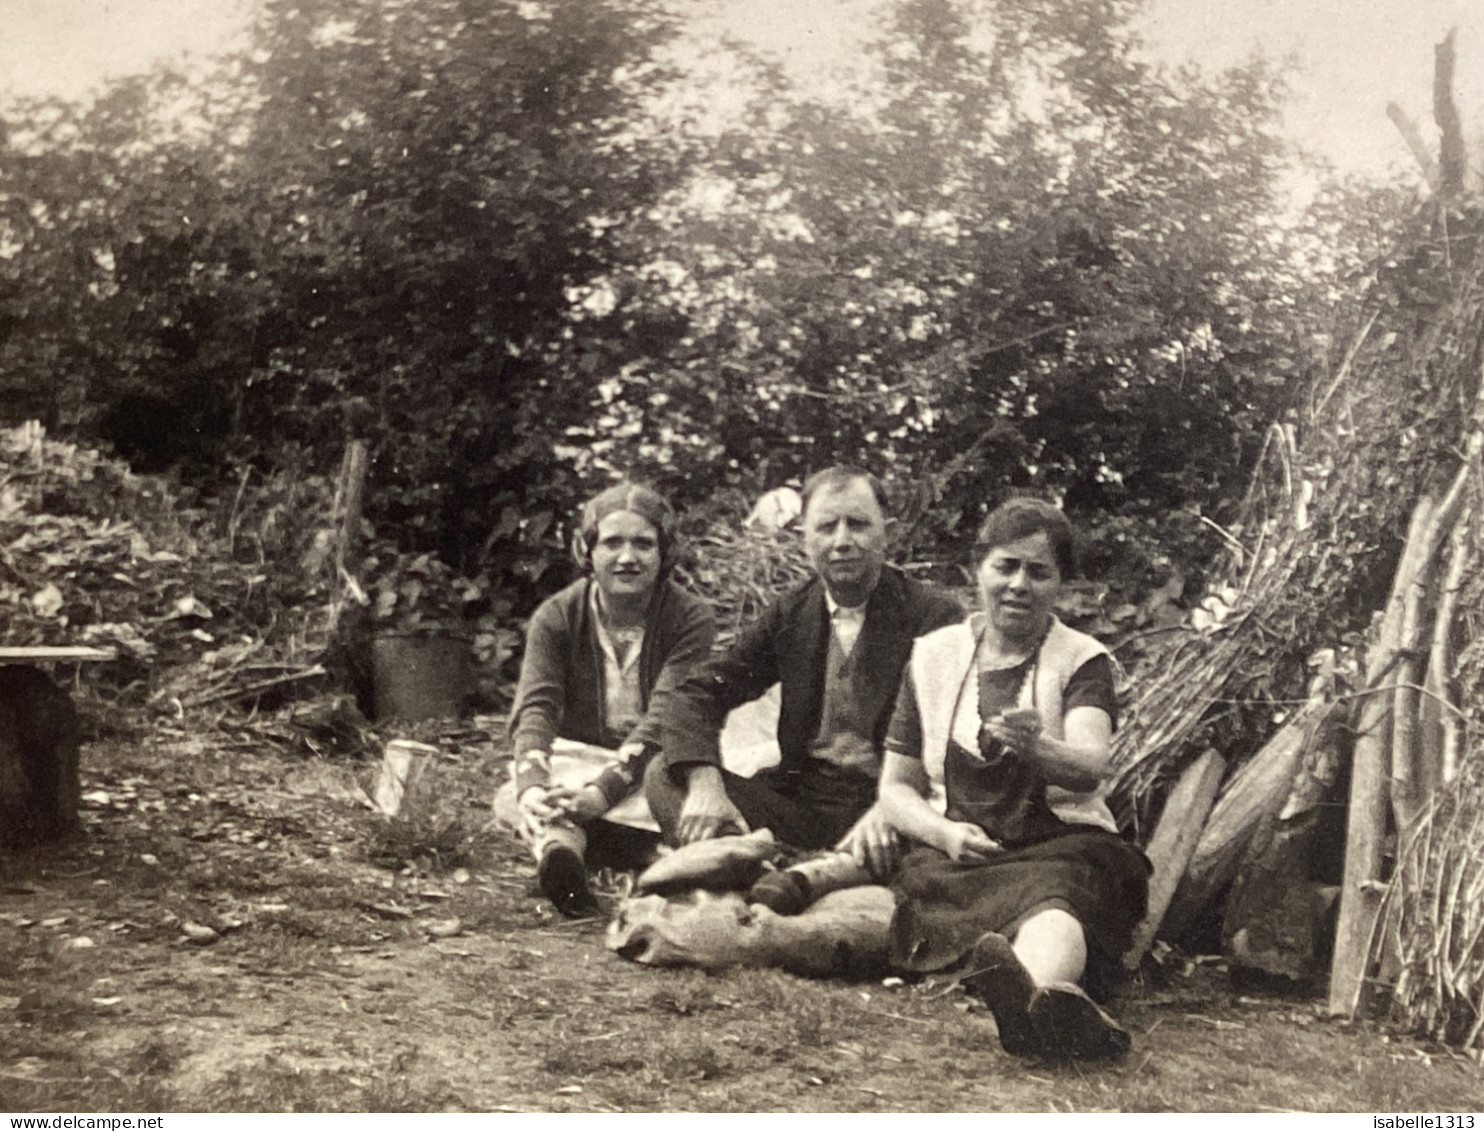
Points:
[[562, 877], [783, 893], [39, 788], [997, 978]]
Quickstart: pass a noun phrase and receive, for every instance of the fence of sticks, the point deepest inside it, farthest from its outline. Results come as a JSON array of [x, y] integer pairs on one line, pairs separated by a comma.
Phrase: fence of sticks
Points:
[[1345, 635]]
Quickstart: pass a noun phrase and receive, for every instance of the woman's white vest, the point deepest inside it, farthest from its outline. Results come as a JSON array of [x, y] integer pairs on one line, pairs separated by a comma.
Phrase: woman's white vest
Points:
[[941, 666]]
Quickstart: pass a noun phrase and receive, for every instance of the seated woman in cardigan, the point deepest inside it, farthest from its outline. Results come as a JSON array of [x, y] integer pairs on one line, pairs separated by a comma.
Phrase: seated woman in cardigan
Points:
[[994, 765], [601, 657]]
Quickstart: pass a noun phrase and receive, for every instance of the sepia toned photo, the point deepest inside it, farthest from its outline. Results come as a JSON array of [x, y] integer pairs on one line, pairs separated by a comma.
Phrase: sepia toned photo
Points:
[[741, 556]]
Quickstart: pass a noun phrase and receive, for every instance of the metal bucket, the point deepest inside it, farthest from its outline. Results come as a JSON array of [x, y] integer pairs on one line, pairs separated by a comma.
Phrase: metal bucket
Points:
[[421, 675]]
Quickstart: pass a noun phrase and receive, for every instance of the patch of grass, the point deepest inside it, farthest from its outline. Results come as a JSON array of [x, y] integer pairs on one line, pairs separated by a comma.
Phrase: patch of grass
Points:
[[92, 1091], [425, 842], [279, 1084]]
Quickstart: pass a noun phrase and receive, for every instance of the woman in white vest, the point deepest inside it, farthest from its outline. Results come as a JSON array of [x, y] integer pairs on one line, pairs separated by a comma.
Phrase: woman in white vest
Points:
[[995, 765]]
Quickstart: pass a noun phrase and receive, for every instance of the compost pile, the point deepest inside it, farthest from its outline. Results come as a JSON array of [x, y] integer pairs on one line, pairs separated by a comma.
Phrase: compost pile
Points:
[[202, 608]]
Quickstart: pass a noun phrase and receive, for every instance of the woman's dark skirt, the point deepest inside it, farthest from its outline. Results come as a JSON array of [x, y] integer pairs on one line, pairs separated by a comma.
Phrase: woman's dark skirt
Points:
[[944, 907]]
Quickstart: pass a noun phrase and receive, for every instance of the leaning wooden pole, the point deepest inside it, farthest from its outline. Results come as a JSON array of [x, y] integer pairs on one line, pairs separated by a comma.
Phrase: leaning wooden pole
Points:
[[1370, 766], [1413, 137]]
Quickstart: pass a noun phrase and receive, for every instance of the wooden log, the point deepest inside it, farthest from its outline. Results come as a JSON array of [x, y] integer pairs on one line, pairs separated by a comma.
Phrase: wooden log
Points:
[[1255, 794], [1174, 840]]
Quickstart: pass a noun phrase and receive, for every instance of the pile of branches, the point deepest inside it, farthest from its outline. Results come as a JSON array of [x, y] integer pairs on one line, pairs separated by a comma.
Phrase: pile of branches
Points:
[[202, 607], [740, 570], [1324, 523], [1433, 925]]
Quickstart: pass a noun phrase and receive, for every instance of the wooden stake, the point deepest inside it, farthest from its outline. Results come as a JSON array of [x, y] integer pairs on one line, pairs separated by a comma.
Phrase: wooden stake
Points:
[[1453, 160], [1174, 839], [349, 492], [1366, 822]]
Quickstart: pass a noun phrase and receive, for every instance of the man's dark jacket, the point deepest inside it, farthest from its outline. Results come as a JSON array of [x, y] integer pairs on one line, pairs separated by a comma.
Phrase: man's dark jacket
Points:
[[789, 644]]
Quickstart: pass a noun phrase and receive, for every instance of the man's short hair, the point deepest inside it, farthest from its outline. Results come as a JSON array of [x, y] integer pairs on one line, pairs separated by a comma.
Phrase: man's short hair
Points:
[[840, 476]]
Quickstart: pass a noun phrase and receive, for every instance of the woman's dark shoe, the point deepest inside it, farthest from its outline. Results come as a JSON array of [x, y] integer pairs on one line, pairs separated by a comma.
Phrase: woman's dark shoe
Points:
[[783, 893], [997, 978], [1072, 1026], [562, 878]]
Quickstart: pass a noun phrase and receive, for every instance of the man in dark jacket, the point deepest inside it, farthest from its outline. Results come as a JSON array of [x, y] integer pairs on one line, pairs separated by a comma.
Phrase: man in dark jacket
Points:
[[838, 646]]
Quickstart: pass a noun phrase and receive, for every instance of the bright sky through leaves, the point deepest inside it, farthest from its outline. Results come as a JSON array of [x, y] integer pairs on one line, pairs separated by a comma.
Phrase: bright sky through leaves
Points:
[[1356, 55]]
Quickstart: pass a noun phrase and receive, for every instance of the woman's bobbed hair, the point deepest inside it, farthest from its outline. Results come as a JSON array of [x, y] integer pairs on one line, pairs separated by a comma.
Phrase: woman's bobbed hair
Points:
[[644, 501], [1023, 518]]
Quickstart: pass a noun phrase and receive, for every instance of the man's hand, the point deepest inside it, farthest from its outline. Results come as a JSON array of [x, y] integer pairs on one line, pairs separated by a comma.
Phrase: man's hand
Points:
[[585, 804], [965, 843], [707, 812], [874, 843], [536, 809]]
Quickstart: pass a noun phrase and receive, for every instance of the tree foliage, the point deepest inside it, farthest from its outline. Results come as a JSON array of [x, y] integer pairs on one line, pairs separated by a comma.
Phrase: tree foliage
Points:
[[494, 238], [370, 229], [1020, 258]]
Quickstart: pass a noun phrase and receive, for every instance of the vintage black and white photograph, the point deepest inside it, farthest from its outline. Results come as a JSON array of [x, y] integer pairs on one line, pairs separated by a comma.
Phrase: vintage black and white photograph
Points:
[[599, 556]]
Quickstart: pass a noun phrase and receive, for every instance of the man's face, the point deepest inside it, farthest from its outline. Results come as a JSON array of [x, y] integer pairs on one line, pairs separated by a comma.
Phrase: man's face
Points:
[[626, 556], [845, 536]]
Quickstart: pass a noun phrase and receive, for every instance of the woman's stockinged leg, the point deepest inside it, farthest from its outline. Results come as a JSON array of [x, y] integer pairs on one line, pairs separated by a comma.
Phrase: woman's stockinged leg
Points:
[[1051, 947]]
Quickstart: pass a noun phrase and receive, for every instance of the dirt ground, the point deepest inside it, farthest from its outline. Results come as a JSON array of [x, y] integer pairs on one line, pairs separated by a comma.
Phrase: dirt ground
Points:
[[241, 933]]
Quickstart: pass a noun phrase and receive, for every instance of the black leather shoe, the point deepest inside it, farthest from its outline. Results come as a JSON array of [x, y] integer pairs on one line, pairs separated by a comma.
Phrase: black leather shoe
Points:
[[562, 877], [1074, 1027], [996, 977], [783, 893]]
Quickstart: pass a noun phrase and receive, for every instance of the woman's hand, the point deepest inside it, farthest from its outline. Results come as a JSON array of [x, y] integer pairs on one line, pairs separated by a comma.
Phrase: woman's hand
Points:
[[1019, 729], [964, 842], [585, 804], [536, 810]]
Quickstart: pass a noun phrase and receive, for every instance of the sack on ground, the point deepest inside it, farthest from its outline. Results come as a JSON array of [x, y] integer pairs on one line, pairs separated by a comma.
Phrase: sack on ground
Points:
[[844, 934]]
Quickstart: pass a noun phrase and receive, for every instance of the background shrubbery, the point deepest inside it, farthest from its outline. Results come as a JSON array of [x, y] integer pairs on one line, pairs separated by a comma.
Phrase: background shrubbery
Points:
[[508, 245]]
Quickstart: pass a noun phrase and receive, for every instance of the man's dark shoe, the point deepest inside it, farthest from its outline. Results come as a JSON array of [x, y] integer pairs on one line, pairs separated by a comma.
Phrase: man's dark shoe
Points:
[[996, 977], [783, 893], [562, 877], [1074, 1027]]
